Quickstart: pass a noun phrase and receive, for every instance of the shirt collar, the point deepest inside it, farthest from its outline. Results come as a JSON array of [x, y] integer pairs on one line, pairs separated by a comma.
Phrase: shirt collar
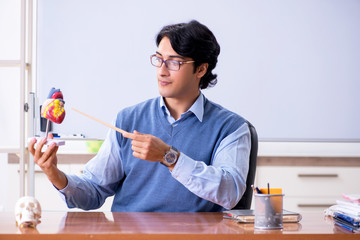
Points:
[[197, 108]]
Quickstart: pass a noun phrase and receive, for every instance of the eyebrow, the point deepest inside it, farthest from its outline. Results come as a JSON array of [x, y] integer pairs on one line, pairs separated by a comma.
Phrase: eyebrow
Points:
[[171, 56]]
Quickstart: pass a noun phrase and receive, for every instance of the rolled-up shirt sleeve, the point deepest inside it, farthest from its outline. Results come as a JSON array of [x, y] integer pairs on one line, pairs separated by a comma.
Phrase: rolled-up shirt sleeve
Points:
[[224, 181]]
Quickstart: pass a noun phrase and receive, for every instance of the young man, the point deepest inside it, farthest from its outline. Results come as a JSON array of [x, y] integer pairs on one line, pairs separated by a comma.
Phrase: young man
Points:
[[182, 152]]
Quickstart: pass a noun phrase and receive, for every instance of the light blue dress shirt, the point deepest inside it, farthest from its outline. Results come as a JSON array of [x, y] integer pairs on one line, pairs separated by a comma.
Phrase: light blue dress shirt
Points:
[[223, 182]]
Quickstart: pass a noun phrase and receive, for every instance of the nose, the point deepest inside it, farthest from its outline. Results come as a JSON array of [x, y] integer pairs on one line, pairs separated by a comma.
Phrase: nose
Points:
[[163, 70]]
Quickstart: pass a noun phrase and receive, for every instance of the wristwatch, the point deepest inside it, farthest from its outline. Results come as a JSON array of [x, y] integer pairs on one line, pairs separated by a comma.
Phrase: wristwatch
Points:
[[170, 157]]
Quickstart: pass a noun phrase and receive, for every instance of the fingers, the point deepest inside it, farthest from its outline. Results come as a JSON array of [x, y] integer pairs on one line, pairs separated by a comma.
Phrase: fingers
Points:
[[142, 141], [140, 145], [145, 153], [128, 135], [33, 141], [50, 136], [139, 155], [49, 154], [134, 136], [50, 163], [146, 146], [41, 157], [140, 150], [31, 146], [37, 154]]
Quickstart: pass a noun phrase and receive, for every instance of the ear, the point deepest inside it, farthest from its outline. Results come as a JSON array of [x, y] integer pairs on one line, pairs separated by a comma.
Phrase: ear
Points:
[[201, 70]]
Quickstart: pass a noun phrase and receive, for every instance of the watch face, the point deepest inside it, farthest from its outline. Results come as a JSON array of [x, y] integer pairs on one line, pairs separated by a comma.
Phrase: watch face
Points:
[[170, 157]]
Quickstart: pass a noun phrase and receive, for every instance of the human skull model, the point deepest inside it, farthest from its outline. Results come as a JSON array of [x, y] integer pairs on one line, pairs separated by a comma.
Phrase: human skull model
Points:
[[27, 212]]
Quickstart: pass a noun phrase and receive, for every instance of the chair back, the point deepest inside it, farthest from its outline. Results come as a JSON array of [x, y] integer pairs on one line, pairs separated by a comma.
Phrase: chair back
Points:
[[245, 201]]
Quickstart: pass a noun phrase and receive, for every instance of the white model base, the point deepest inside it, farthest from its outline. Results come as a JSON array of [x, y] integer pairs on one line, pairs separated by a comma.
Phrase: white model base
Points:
[[49, 141]]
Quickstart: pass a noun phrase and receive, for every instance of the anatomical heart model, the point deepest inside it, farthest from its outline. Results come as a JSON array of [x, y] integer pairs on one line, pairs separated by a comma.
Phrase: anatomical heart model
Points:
[[53, 107], [53, 110], [27, 212]]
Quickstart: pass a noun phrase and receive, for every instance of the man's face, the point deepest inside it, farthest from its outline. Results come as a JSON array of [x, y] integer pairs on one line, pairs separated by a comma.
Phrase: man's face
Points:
[[181, 84]]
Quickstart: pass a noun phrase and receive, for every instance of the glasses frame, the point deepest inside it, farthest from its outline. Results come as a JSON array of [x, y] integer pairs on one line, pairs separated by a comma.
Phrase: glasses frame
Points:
[[166, 62]]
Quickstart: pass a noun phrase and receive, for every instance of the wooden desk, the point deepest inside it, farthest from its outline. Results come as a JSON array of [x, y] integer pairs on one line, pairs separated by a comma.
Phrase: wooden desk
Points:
[[99, 225]]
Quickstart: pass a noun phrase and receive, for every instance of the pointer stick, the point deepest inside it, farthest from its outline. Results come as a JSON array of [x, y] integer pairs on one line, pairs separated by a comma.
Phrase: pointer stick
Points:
[[104, 123]]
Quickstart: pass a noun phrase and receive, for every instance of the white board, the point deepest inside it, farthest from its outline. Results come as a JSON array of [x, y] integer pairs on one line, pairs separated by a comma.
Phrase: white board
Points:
[[289, 67]]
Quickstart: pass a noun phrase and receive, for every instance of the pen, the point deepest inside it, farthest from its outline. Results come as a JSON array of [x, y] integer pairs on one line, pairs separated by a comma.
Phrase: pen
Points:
[[258, 190]]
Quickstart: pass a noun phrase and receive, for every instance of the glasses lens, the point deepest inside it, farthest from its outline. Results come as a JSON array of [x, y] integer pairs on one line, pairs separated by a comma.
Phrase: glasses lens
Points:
[[172, 65], [156, 61]]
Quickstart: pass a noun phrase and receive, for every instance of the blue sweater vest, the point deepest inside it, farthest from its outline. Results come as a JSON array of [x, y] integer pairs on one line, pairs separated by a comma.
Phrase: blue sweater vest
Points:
[[149, 186]]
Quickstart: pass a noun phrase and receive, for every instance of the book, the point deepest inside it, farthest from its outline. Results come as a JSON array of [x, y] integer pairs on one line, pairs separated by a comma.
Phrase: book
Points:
[[344, 207], [350, 219], [355, 198], [345, 224], [248, 216], [346, 212]]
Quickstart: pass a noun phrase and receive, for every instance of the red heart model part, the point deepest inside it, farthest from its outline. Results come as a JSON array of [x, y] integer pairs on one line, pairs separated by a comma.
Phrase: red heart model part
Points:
[[53, 107]]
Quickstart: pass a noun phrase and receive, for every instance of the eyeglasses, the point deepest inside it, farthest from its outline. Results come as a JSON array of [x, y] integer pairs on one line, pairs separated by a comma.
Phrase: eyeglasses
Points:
[[173, 65]]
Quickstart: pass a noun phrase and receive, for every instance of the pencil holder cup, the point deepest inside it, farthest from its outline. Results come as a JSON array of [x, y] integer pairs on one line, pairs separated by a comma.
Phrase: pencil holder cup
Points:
[[269, 211]]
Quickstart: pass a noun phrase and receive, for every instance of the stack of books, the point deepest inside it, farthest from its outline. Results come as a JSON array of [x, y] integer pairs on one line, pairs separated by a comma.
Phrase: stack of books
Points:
[[346, 212]]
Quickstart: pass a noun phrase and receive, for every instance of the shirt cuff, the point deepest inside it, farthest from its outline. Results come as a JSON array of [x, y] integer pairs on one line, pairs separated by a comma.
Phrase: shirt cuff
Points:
[[183, 169]]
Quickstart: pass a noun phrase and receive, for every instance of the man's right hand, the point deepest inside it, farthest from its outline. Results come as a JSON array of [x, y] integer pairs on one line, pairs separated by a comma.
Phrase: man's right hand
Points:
[[47, 161]]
